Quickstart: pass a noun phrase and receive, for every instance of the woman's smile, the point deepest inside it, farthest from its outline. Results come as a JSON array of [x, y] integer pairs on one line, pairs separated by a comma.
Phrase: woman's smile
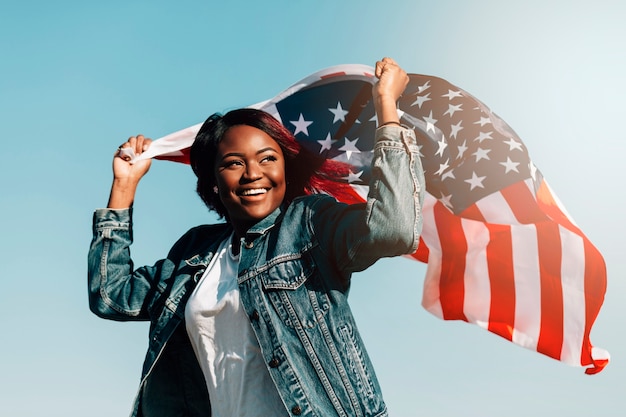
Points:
[[253, 191]]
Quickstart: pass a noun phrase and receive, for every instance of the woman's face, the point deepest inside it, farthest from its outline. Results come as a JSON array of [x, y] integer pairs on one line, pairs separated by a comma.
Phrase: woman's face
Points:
[[250, 173]]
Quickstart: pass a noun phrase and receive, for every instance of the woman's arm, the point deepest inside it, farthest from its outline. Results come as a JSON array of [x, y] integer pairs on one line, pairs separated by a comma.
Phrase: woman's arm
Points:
[[116, 291], [390, 222]]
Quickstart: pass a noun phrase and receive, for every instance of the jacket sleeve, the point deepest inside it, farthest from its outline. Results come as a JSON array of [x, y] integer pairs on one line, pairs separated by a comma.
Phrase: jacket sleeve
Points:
[[116, 290], [389, 223]]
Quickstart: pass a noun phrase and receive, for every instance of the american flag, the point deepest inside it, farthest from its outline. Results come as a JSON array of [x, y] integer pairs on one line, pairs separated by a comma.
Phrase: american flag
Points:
[[502, 252]]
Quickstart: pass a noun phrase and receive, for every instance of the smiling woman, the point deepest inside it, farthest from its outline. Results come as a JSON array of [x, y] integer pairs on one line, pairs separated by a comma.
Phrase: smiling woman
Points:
[[250, 317]]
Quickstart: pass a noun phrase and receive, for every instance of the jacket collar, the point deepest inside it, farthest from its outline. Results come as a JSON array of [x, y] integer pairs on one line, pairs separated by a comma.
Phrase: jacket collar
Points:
[[215, 237], [267, 223]]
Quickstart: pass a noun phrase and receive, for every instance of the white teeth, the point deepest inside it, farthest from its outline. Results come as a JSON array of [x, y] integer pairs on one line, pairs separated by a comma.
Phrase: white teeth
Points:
[[255, 191]]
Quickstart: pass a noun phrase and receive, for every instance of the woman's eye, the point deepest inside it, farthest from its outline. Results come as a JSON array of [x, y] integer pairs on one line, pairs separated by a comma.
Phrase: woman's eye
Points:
[[269, 158], [231, 164]]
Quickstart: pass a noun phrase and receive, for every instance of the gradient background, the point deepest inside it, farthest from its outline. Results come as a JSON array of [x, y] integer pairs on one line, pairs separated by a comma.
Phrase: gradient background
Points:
[[79, 77]]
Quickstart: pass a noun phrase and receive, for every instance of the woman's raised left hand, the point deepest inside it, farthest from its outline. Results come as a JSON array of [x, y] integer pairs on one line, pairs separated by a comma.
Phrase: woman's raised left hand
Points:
[[392, 80]]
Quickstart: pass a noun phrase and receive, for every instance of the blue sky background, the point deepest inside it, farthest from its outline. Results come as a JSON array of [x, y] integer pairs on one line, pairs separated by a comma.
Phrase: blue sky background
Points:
[[79, 77]]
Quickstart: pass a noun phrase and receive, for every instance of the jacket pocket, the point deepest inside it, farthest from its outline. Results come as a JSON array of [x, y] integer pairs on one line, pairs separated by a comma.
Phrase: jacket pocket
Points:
[[296, 295]]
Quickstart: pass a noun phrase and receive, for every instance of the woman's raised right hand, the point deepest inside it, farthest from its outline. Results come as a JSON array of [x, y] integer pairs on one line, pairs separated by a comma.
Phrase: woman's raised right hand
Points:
[[123, 168], [127, 174]]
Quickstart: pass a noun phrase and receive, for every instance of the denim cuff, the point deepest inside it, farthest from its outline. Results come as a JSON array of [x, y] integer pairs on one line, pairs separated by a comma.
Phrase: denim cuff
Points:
[[112, 217], [395, 133]]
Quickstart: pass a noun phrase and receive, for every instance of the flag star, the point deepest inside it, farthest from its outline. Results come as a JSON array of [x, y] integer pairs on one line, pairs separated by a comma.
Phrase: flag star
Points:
[[445, 200], [339, 113], [326, 143], [475, 181], [462, 148], [482, 154], [513, 144], [352, 177], [509, 165], [443, 167], [455, 129], [442, 146], [453, 108], [301, 125], [483, 135], [452, 94], [430, 122], [483, 121], [423, 87], [419, 100], [350, 147], [449, 174]]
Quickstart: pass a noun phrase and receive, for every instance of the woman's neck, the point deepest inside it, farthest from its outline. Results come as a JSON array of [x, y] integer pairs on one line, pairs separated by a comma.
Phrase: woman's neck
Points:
[[235, 244]]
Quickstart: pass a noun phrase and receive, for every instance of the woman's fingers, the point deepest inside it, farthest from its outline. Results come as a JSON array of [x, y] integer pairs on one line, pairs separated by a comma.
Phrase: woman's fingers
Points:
[[126, 153], [135, 145], [383, 64], [392, 80]]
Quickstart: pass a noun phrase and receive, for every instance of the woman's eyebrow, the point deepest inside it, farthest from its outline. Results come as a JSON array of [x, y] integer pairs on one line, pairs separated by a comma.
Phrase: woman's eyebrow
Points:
[[267, 149], [241, 154]]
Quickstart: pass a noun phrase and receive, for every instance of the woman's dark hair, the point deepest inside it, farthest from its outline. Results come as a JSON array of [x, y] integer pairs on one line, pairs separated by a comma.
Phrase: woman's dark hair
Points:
[[306, 172]]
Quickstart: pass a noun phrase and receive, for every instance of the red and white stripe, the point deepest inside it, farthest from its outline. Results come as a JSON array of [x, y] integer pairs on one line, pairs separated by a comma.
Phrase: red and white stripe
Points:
[[507, 267]]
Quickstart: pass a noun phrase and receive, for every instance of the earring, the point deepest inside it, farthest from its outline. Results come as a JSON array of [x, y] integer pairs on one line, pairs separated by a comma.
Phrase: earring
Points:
[[216, 190]]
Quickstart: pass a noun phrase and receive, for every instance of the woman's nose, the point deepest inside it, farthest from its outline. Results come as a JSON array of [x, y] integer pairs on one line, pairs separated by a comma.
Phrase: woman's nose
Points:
[[252, 172]]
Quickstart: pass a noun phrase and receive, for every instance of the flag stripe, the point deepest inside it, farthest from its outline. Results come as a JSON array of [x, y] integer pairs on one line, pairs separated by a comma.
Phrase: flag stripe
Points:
[[454, 248], [431, 294], [573, 273], [550, 204], [495, 208], [476, 281], [594, 296], [528, 291], [522, 202], [502, 280], [550, 258]]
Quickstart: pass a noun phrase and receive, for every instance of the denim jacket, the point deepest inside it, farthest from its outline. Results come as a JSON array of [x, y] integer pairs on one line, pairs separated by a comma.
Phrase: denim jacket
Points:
[[294, 276]]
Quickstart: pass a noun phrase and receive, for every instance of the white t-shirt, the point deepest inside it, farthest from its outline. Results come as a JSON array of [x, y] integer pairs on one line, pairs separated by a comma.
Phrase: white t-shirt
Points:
[[237, 379]]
